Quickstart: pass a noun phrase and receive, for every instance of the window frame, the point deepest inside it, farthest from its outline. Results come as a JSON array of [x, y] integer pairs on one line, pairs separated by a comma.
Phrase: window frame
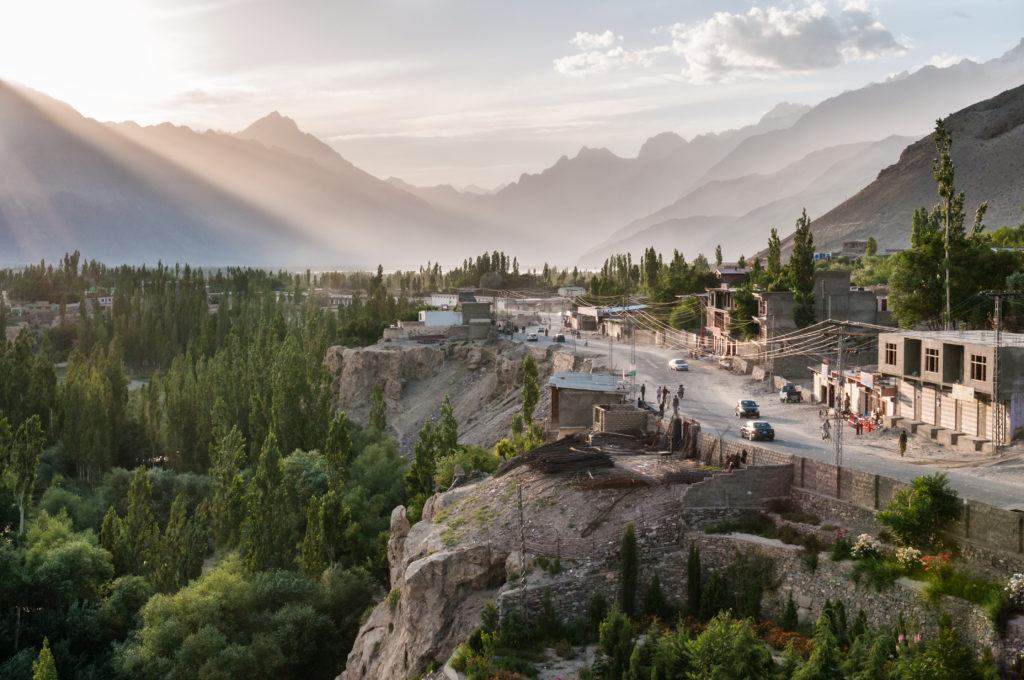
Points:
[[890, 351], [979, 367], [931, 353]]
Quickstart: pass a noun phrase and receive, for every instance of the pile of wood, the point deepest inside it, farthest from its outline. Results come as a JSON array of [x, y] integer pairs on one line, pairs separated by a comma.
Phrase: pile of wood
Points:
[[569, 455]]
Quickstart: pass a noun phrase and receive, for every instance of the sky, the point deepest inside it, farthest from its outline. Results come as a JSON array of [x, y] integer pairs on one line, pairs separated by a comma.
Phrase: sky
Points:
[[479, 91]]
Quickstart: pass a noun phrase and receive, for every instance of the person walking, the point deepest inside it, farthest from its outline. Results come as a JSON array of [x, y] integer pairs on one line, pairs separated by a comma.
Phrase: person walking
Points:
[[903, 443], [825, 429], [643, 392], [675, 405]]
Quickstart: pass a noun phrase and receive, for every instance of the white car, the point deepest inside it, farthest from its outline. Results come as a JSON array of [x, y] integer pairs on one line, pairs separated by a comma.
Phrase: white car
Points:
[[678, 365], [532, 337]]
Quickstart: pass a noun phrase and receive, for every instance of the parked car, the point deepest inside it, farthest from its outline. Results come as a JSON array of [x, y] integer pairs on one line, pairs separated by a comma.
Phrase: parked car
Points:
[[678, 365], [747, 408], [757, 429], [532, 337], [790, 394], [559, 337]]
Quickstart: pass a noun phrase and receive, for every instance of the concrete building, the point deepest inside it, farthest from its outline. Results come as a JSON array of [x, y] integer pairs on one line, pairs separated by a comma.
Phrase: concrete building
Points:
[[957, 387], [732, 274], [571, 291], [834, 298], [574, 396], [475, 311], [430, 317], [443, 300]]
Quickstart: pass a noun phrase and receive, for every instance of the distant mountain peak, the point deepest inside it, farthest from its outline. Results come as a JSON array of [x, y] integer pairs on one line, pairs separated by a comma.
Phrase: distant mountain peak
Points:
[[785, 110], [277, 130], [661, 145]]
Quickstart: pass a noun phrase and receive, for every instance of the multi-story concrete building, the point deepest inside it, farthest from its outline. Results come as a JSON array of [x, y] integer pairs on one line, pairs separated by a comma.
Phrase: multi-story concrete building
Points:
[[957, 387], [834, 298]]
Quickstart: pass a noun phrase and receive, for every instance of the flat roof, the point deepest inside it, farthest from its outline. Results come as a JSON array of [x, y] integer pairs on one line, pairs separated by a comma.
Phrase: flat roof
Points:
[[974, 337], [592, 382]]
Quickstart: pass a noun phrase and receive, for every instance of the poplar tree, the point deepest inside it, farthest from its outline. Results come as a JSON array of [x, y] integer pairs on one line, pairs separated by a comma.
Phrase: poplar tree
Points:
[[264, 543], [531, 388], [774, 267], [338, 448], [447, 429], [44, 667], [24, 463], [312, 557], [718, 256], [140, 534], [801, 272], [228, 493], [378, 409]]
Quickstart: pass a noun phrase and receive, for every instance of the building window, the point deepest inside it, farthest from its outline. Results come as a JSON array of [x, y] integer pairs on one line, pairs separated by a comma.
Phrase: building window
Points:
[[890, 353], [931, 360], [979, 367]]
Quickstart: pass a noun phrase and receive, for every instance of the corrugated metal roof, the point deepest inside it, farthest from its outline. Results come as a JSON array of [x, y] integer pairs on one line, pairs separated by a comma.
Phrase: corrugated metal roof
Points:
[[593, 382]]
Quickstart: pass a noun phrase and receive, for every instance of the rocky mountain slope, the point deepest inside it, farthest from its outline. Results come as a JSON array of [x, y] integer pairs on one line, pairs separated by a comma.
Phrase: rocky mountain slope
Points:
[[738, 214], [907, 104], [987, 142], [269, 195]]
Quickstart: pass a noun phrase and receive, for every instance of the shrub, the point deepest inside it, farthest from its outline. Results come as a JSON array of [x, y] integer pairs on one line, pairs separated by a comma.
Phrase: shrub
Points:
[[1015, 590], [866, 546], [790, 620], [958, 583], [596, 611], [878, 572], [842, 549], [655, 602], [809, 558], [916, 515], [908, 558], [615, 643], [514, 632]]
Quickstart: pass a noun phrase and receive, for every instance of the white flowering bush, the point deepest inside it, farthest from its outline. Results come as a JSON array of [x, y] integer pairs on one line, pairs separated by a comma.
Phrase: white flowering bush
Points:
[[866, 545], [908, 558], [1015, 590]]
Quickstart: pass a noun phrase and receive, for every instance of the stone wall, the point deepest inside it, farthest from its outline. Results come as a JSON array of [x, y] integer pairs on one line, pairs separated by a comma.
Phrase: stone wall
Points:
[[986, 529], [750, 487], [571, 590], [619, 418]]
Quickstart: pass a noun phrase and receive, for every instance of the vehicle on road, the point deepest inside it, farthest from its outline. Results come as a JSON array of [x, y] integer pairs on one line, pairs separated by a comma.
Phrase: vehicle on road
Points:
[[532, 337], [747, 408], [559, 337], [757, 429], [678, 365], [790, 394]]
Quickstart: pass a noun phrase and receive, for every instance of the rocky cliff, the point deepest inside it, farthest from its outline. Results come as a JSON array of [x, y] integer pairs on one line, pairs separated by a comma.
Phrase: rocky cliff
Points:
[[484, 542], [482, 379]]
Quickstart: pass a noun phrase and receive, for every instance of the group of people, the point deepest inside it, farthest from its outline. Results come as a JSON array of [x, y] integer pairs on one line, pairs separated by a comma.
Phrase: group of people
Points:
[[736, 461], [663, 396]]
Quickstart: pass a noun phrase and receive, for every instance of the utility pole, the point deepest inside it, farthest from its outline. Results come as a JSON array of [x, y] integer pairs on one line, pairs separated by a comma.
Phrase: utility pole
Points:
[[840, 391], [997, 406]]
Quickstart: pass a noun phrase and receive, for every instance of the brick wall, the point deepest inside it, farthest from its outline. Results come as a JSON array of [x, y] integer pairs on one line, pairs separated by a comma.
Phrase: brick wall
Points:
[[619, 418], [750, 487]]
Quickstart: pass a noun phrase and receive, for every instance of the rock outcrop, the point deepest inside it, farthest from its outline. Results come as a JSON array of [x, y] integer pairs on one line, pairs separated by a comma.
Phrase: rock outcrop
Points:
[[482, 379]]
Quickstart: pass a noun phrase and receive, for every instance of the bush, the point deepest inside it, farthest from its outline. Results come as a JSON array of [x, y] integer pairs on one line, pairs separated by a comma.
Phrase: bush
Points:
[[842, 549], [655, 602], [809, 558], [916, 515], [789, 620], [958, 583], [469, 458], [878, 572]]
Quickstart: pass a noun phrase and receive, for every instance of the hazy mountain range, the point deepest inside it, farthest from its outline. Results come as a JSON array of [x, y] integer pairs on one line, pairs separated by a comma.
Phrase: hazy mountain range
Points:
[[988, 151], [272, 194]]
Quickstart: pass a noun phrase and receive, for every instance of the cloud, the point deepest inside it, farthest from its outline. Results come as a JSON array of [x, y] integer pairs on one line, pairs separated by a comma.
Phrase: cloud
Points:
[[594, 41], [764, 42], [603, 61]]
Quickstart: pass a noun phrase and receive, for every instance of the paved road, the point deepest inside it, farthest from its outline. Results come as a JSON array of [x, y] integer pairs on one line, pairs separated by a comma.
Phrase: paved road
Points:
[[711, 395]]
